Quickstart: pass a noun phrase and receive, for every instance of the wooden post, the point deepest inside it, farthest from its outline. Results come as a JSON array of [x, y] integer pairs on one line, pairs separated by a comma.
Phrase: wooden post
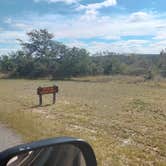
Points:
[[40, 100], [40, 96], [54, 98]]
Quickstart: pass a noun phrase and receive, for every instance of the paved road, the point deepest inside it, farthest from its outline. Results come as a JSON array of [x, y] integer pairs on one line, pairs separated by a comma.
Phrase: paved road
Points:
[[8, 138]]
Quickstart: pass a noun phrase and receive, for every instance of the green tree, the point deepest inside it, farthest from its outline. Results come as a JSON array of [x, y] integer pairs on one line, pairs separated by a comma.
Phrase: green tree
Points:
[[75, 62], [39, 43], [6, 63]]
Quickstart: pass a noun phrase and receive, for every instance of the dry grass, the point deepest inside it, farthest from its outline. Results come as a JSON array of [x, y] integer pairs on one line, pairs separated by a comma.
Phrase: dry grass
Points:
[[124, 118]]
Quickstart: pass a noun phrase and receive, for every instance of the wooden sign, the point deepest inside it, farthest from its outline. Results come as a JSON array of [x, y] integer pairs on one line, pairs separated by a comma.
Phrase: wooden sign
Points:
[[47, 90]]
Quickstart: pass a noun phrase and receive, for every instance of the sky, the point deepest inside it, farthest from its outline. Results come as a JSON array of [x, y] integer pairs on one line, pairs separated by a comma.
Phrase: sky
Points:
[[123, 26]]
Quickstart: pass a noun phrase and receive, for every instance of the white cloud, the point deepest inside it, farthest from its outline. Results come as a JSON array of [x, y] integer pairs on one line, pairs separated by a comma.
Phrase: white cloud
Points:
[[122, 46], [8, 21], [119, 46], [128, 46], [76, 43], [55, 1], [7, 37], [4, 51], [160, 36], [140, 16], [95, 6], [91, 9], [92, 25]]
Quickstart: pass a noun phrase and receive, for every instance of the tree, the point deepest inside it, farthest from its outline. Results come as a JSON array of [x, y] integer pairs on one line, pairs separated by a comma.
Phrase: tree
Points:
[[42, 56], [44, 51], [162, 62], [40, 43], [75, 62], [149, 75], [6, 63]]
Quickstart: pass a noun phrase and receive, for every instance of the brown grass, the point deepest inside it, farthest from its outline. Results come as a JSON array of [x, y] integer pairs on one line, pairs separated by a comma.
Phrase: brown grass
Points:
[[124, 118]]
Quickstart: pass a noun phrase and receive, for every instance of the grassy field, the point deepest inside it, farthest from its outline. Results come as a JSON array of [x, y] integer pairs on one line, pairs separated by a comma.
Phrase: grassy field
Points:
[[123, 118]]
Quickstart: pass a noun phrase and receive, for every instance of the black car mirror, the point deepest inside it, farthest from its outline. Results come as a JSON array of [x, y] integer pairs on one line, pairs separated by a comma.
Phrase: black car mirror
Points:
[[63, 151]]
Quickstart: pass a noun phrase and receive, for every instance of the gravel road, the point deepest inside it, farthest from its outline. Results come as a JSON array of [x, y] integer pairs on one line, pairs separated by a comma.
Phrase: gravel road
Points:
[[8, 138]]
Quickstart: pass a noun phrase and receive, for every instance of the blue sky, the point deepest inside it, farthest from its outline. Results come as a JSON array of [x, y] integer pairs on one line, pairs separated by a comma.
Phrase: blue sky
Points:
[[126, 26]]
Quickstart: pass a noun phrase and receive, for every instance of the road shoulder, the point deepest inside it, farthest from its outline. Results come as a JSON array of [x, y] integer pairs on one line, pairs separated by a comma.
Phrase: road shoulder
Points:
[[8, 138]]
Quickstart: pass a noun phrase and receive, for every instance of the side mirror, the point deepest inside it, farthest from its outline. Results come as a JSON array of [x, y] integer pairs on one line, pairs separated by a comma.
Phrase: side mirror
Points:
[[63, 151]]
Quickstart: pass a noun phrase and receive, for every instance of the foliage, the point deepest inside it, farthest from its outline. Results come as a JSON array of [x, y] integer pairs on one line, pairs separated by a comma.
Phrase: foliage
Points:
[[43, 56]]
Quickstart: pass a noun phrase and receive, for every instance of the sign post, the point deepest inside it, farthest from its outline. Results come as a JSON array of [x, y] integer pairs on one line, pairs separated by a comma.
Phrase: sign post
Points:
[[54, 98], [47, 90]]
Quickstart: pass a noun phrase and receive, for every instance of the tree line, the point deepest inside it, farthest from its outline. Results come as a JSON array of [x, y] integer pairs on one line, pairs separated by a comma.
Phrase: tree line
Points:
[[41, 56]]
